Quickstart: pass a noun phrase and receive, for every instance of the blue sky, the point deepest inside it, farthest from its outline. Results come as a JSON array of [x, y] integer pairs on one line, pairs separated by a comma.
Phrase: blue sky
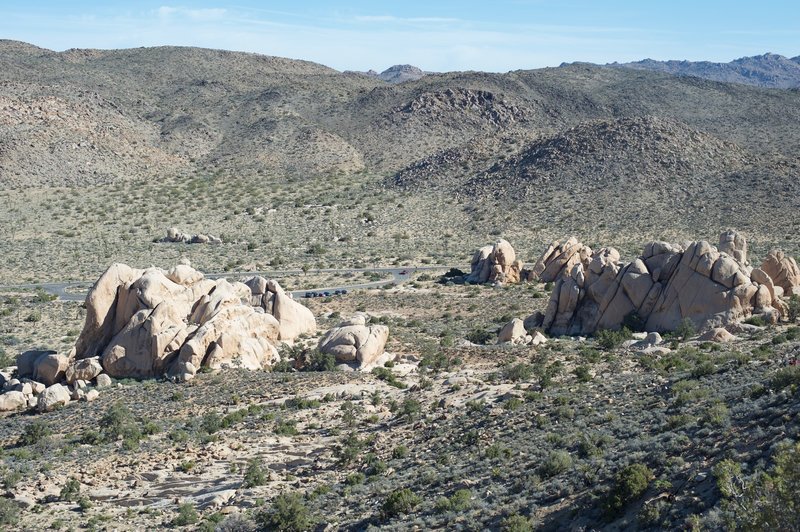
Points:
[[435, 35]]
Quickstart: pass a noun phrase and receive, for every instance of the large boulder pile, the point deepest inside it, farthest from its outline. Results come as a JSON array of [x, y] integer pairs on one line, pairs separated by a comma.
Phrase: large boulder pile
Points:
[[666, 285], [783, 271], [495, 263], [356, 343], [145, 323], [175, 235], [149, 323]]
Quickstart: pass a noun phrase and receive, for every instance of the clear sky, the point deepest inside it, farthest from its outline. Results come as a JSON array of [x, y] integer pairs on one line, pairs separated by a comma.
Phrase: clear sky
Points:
[[436, 35]]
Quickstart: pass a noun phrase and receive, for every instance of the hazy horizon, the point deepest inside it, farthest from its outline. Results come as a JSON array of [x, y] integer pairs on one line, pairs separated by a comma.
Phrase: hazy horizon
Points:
[[441, 36]]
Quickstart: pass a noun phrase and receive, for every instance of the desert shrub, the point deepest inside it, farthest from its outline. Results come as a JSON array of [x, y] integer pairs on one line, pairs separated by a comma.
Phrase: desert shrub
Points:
[[557, 462], [582, 373], [794, 308], [70, 491], [785, 377], [458, 502], [35, 432], [756, 320], [438, 361], [187, 515], [765, 500], [231, 523], [211, 422], [409, 409], [608, 339], [685, 329], [286, 427], [349, 449], [480, 336], [288, 513], [355, 479], [318, 361], [9, 512], [254, 474], [401, 501], [517, 523], [629, 484], [716, 415], [388, 377], [518, 372], [400, 451]]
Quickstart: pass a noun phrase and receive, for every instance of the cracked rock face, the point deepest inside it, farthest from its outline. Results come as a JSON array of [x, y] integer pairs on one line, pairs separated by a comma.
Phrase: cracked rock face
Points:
[[664, 286], [495, 263], [353, 341], [783, 270], [147, 323]]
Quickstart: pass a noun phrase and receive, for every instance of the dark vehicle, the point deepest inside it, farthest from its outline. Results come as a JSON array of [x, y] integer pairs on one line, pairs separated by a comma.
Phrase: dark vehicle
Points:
[[326, 294], [404, 272], [309, 294]]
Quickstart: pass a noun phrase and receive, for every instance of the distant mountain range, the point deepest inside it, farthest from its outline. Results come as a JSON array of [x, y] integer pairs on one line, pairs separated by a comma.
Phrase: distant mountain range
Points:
[[768, 70]]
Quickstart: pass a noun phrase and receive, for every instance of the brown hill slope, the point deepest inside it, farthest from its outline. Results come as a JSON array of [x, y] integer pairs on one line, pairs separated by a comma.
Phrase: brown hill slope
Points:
[[245, 112]]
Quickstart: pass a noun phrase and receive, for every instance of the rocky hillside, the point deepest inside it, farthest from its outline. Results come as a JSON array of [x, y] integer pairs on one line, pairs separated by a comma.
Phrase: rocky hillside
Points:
[[768, 70], [89, 116]]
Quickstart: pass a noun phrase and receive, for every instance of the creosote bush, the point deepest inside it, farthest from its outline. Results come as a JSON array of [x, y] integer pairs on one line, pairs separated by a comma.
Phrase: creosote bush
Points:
[[400, 501], [288, 513], [629, 484]]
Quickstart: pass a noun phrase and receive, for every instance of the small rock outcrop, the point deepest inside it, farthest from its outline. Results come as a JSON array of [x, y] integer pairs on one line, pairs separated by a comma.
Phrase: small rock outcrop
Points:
[[146, 323], [664, 286], [353, 341], [495, 263], [294, 318], [783, 270], [177, 236], [558, 259]]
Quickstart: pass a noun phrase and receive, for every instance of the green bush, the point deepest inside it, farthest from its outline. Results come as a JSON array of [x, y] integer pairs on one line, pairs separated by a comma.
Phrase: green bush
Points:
[[518, 372], [187, 515], [70, 491], [386, 375], [9, 512], [557, 462], [630, 483], [582, 373], [480, 336], [400, 451], [35, 432], [409, 409], [685, 329], [255, 474], [608, 339], [517, 523], [765, 500], [288, 513], [794, 308], [785, 378], [400, 501], [318, 361]]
